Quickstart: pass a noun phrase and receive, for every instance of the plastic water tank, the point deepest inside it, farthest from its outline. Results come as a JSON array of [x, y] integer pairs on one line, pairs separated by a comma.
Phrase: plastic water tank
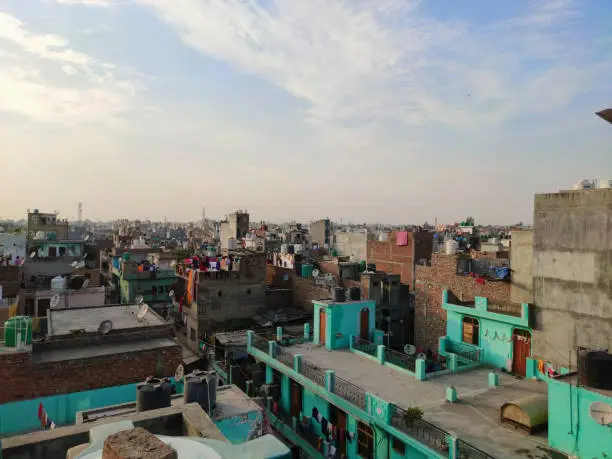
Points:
[[595, 370], [17, 330], [201, 388], [153, 394], [450, 247], [58, 283], [338, 295], [354, 293]]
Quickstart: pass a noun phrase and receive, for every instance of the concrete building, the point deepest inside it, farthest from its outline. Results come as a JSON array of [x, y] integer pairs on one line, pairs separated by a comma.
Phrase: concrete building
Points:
[[572, 266], [521, 260], [52, 227], [320, 232], [235, 227], [352, 244], [13, 247], [383, 403]]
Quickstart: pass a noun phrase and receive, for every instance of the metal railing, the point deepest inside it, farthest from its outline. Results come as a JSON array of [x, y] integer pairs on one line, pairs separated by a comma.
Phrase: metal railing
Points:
[[313, 372], [469, 451], [304, 432], [467, 355], [509, 309], [350, 392], [401, 360], [366, 346], [427, 433], [260, 343], [284, 356]]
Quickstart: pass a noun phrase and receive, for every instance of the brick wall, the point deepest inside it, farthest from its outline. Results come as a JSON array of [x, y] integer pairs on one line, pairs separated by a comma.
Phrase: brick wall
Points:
[[303, 291], [431, 281], [24, 379]]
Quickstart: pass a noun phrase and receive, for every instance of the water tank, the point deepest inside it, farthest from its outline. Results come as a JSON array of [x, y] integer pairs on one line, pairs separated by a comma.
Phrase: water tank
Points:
[[307, 271], [153, 394], [595, 370], [58, 283], [450, 247], [354, 293], [18, 330], [201, 388], [284, 248], [338, 295], [126, 256]]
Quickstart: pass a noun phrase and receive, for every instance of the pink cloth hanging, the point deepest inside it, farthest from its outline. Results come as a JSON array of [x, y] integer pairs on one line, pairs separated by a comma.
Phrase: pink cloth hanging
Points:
[[401, 237]]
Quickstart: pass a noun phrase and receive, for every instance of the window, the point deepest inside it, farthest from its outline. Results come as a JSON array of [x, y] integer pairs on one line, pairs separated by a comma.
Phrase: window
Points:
[[470, 330], [193, 334], [399, 446], [53, 251], [62, 251], [220, 293], [365, 441]]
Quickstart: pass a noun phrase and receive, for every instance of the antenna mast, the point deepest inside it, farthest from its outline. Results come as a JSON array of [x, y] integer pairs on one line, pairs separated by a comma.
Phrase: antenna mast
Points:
[[80, 213]]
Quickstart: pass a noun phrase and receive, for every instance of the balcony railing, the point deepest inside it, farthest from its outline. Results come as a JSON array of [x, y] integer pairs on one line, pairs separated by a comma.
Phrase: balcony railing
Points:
[[350, 392], [509, 309], [260, 343], [313, 372], [467, 354], [284, 356], [432, 436], [468, 451], [401, 360], [281, 416], [365, 346]]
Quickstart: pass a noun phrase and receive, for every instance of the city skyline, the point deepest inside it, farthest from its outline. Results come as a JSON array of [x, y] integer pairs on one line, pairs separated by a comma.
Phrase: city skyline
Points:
[[408, 111]]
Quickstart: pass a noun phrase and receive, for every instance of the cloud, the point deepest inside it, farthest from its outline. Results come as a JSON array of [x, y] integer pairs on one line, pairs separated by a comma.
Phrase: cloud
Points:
[[30, 86], [86, 2]]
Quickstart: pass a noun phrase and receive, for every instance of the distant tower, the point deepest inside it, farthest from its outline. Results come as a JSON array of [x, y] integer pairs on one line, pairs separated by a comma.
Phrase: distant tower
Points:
[[80, 212], [203, 217]]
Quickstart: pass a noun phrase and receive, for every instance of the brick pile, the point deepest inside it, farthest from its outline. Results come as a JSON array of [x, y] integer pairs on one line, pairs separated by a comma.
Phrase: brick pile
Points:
[[431, 281], [25, 379]]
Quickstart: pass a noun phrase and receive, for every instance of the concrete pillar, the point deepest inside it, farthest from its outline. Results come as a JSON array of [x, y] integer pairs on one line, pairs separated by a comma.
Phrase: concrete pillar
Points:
[[249, 387], [352, 339], [452, 362], [231, 370], [493, 379], [451, 394], [380, 354], [442, 344], [279, 334], [297, 362], [272, 348], [250, 334], [307, 331], [419, 369], [330, 380], [453, 447], [269, 375]]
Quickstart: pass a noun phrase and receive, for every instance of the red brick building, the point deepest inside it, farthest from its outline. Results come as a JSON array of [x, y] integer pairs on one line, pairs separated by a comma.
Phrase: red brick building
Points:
[[400, 259], [431, 281]]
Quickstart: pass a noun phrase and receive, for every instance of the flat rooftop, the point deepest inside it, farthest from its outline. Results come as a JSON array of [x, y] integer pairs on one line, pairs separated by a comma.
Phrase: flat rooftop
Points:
[[68, 321], [232, 402], [474, 418]]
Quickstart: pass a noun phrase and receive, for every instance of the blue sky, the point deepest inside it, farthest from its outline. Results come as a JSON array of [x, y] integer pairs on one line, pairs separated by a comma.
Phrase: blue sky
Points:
[[365, 110]]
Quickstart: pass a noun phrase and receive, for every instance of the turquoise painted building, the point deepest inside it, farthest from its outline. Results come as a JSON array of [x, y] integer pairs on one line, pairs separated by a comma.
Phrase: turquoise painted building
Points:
[[499, 334], [323, 415], [153, 286]]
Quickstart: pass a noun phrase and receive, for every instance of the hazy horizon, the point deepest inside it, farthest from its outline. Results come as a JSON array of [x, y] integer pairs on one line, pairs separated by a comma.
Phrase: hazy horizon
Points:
[[394, 111]]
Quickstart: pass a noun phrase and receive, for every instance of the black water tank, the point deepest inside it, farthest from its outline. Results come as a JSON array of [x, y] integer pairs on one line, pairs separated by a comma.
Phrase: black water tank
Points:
[[201, 388], [153, 394], [354, 293], [595, 370], [464, 265], [338, 295]]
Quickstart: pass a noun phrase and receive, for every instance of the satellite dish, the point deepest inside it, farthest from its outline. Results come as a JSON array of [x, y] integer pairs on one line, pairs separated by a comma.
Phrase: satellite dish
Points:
[[105, 327], [410, 349], [173, 263], [422, 356], [33, 254], [601, 413], [142, 311], [79, 265], [315, 273], [84, 256], [179, 373], [74, 263], [329, 276], [85, 284], [55, 299], [139, 299], [171, 293], [86, 237]]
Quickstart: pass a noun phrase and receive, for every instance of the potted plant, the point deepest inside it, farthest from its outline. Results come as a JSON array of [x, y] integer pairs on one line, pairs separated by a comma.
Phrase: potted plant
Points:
[[412, 414]]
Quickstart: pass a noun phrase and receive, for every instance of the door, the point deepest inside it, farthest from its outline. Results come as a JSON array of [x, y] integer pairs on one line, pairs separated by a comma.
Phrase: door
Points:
[[521, 340], [470, 330], [364, 323], [338, 418], [322, 326], [296, 399]]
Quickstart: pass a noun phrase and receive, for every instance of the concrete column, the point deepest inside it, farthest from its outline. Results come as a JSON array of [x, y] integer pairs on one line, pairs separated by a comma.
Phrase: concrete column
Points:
[[380, 353], [249, 387], [493, 379], [451, 394], [297, 362], [279, 334], [269, 375], [453, 450], [452, 362], [442, 345], [250, 334], [307, 330], [419, 369], [272, 348], [231, 370], [330, 380], [352, 339]]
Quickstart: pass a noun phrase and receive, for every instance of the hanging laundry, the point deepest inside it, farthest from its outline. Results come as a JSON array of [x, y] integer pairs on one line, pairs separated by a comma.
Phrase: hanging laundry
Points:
[[315, 413], [323, 425], [44, 419], [332, 451], [401, 237]]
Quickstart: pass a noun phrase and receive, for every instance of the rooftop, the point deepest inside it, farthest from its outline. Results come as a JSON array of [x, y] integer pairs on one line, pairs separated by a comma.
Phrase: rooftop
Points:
[[475, 418], [87, 320]]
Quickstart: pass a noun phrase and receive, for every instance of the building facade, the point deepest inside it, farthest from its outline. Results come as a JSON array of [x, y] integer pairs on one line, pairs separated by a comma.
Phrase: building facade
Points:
[[320, 232]]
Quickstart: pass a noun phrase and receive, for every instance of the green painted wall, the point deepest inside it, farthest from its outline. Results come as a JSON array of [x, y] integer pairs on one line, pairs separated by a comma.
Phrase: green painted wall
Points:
[[570, 427], [310, 401], [343, 320]]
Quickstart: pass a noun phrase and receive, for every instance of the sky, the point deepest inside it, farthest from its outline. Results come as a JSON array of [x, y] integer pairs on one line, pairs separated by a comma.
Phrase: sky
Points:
[[394, 111]]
